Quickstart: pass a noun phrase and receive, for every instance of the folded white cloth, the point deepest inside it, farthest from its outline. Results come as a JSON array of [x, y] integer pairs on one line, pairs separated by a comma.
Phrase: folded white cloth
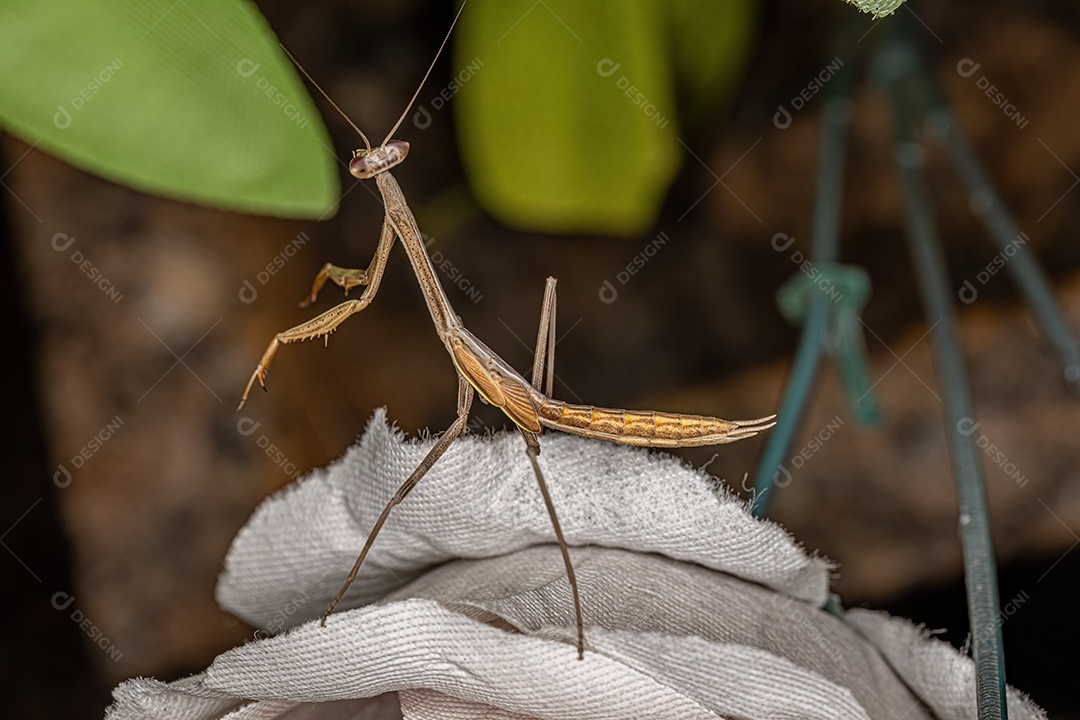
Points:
[[692, 608]]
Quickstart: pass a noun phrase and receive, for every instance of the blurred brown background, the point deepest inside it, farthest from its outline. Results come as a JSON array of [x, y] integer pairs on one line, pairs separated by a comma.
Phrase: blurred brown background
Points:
[[133, 538]]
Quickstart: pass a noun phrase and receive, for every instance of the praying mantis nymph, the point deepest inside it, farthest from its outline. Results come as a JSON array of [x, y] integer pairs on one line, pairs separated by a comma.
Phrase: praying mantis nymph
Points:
[[479, 369]]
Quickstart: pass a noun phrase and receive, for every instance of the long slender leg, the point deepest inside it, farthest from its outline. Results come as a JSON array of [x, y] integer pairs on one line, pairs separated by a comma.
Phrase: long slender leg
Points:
[[465, 394], [532, 449], [549, 385], [545, 340], [326, 323], [545, 353]]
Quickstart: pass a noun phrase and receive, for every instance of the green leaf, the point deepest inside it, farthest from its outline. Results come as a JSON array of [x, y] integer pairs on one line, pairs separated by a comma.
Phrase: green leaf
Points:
[[711, 44], [191, 99], [567, 110]]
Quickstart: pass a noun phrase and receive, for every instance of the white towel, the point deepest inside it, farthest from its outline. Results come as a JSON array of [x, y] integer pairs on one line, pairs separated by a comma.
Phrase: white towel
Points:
[[692, 607]]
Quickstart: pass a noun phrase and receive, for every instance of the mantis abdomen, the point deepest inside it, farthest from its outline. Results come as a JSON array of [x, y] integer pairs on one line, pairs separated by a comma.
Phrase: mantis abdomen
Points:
[[646, 428]]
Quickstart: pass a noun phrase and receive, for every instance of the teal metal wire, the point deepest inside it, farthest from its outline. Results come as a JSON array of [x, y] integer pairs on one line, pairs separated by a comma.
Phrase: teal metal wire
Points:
[[900, 69], [836, 117], [1023, 268], [979, 570], [896, 67], [913, 93]]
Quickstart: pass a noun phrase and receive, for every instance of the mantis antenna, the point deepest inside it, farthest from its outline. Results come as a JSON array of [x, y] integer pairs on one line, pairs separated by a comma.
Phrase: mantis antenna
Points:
[[424, 80], [323, 93], [408, 107]]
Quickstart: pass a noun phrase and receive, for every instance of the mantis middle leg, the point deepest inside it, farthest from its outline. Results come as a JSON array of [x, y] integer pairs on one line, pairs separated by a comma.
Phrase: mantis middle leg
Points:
[[465, 395]]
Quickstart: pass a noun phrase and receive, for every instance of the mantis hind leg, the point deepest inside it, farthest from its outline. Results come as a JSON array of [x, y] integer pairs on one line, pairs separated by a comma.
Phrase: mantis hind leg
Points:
[[532, 449], [545, 341], [545, 355]]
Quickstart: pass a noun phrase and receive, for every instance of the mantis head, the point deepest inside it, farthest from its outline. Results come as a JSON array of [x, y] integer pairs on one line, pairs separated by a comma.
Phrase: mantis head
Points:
[[369, 163]]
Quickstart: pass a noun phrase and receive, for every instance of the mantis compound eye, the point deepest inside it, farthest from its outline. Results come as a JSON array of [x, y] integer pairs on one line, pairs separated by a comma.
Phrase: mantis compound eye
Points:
[[369, 163]]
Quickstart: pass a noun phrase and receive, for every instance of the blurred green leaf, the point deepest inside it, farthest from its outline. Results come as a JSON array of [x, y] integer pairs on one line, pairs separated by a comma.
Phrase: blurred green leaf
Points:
[[567, 110], [711, 44], [191, 99]]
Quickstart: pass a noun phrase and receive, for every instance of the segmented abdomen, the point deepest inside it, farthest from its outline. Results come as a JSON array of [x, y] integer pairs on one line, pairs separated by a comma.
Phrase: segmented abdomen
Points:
[[646, 428]]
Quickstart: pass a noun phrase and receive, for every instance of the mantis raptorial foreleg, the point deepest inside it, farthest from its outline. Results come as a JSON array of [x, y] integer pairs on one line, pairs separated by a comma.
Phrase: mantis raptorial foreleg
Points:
[[326, 323], [347, 278], [465, 395], [545, 354]]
